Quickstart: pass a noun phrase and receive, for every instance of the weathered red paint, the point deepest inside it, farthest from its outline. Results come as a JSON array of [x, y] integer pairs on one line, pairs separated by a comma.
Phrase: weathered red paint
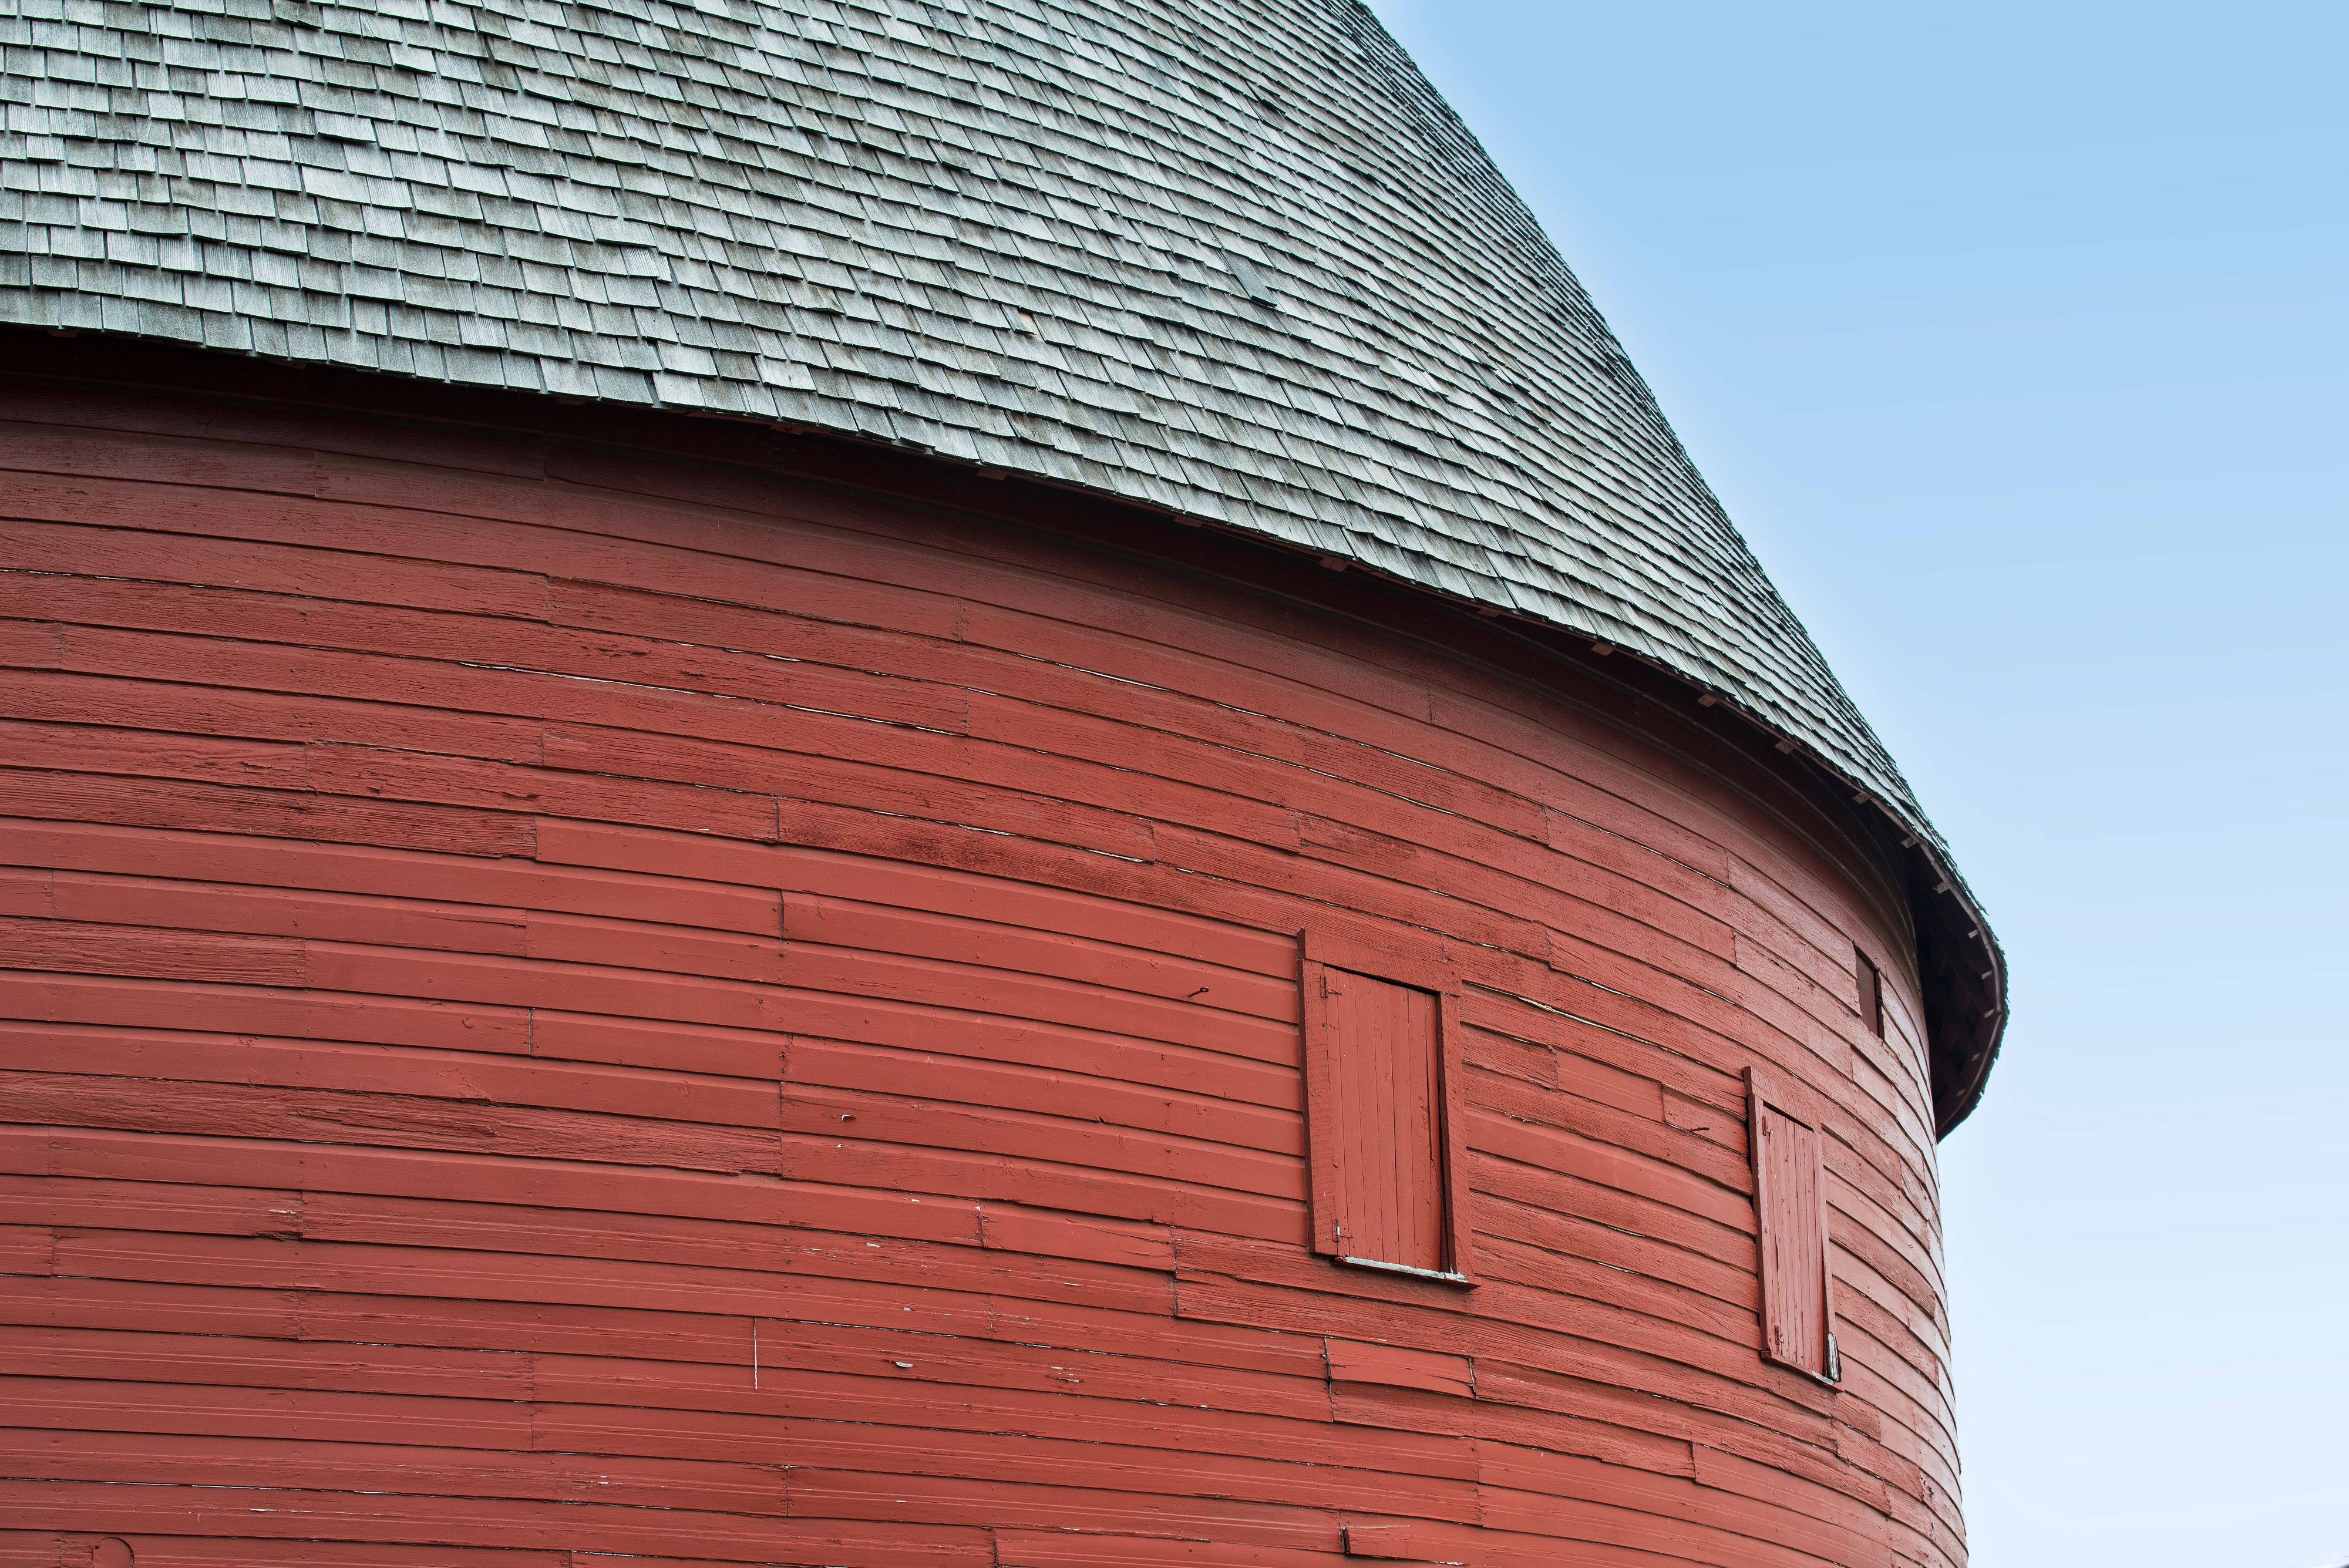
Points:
[[1384, 1130], [568, 1004], [1791, 1207]]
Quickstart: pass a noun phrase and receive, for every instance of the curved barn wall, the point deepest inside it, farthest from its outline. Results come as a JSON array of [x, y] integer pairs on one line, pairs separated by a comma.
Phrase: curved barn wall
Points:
[[598, 1008]]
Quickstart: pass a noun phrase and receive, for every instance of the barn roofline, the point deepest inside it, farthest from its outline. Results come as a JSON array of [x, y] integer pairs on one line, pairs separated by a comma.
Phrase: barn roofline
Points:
[[1960, 968]]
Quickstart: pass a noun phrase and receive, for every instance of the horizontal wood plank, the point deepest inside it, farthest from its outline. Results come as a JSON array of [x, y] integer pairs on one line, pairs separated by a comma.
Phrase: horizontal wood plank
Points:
[[568, 1008]]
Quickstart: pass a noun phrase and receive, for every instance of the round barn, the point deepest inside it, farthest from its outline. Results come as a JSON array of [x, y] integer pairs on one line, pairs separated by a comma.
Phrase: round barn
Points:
[[911, 782]]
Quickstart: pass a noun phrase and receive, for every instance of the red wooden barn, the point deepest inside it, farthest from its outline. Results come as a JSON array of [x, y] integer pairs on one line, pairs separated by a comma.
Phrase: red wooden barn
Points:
[[911, 782]]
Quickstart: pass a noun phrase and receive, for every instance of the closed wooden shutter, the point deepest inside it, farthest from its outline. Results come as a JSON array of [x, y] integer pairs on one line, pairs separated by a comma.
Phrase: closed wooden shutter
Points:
[[1790, 1209], [1381, 1130]]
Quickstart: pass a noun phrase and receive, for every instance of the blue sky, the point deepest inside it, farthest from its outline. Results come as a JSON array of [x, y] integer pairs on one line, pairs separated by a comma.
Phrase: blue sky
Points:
[[2017, 339]]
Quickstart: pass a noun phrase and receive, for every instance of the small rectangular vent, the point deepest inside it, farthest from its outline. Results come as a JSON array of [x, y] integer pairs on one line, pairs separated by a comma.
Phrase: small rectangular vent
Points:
[[1871, 994]]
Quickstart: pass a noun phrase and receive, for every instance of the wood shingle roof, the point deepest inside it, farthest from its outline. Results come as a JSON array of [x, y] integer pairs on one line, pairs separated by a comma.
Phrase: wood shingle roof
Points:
[[1232, 258]]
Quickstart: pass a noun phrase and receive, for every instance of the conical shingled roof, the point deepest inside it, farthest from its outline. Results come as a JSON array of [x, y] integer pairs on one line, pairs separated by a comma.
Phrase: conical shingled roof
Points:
[[1234, 258]]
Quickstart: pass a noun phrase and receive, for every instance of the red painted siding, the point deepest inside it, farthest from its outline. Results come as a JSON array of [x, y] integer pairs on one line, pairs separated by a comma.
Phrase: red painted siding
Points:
[[568, 1005]]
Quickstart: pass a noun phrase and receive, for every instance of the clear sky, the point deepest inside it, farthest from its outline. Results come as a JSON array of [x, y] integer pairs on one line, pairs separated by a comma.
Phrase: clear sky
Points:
[[2017, 339]]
